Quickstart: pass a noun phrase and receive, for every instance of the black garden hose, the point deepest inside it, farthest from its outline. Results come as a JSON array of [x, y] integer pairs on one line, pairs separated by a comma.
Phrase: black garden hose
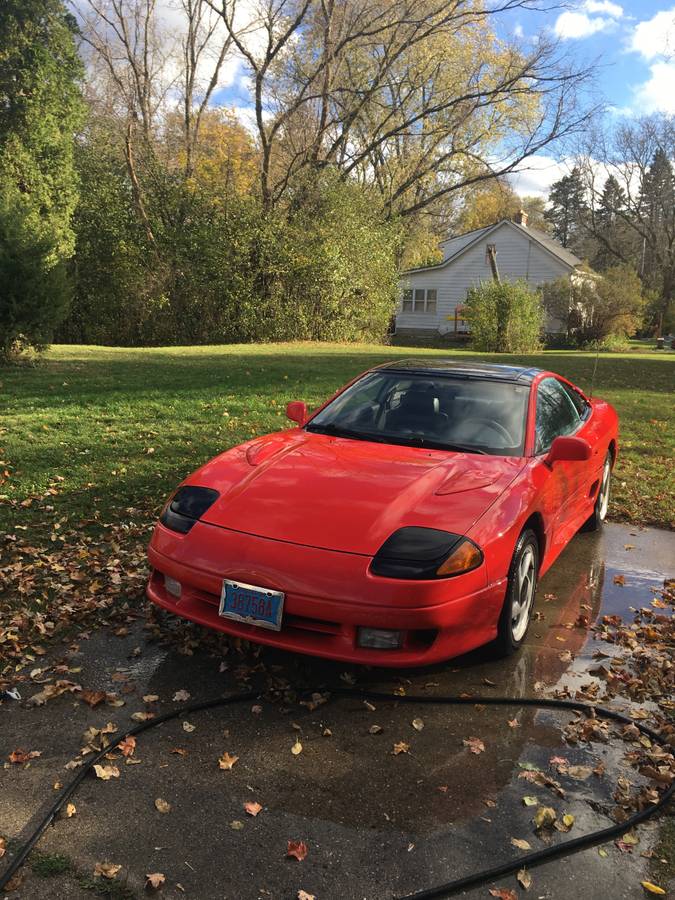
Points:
[[529, 860]]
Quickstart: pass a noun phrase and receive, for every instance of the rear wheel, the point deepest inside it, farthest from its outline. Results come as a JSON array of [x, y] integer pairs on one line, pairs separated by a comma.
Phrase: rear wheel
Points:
[[521, 588], [599, 514]]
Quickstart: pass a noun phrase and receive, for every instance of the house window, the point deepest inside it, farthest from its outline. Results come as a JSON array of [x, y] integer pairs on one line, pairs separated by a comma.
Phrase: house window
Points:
[[421, 300]]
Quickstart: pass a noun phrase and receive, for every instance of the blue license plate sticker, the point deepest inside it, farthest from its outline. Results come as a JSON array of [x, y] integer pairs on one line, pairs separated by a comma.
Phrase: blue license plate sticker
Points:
[[252, 605]]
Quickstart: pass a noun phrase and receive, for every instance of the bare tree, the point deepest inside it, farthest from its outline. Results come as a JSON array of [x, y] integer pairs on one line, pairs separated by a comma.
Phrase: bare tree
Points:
[[369, 86], [638, 155]]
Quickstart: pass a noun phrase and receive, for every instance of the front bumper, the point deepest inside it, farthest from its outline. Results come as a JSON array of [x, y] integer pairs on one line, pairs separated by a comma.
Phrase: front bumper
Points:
[[328, 596]]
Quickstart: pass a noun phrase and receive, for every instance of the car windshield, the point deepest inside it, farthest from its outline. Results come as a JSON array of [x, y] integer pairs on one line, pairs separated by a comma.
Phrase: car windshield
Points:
[[437, 411]]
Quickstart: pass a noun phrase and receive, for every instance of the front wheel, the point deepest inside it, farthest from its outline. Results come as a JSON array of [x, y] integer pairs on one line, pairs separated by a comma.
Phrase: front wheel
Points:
[[599, 514], [521, 588]]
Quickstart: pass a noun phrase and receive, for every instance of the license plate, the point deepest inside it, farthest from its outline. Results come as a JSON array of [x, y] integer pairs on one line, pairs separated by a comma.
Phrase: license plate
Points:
[[252, 605]]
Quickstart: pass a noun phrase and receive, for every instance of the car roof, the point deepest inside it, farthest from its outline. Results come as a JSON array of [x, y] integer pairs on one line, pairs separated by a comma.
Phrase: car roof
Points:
[[469, 370]]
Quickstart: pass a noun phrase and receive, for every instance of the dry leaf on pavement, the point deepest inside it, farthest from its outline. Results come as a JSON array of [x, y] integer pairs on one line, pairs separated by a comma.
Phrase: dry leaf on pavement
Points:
[[181, 696], [127, 746], [297, 849], [296, 749], [474, 744], [252, 808], [503, 893], [154, 880], [524, 879], [22, 756], [106, 869], [417, 724], [226, 761], [401, 747], [521, 844], [106, 772], [162, 805]]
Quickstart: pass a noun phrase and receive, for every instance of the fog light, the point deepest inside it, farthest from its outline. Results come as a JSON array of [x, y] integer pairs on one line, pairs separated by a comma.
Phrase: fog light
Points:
[[172, 586], [379, 638]]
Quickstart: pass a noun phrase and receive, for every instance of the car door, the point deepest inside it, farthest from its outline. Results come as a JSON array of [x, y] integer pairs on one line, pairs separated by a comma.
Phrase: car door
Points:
[[557, 415]]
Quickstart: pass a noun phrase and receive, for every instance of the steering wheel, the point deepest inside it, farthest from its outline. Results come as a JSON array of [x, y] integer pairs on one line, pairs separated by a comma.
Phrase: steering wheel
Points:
[[494, 426]]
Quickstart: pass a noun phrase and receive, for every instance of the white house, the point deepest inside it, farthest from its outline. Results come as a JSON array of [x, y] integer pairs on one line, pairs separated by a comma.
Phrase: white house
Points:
[[432, 296]]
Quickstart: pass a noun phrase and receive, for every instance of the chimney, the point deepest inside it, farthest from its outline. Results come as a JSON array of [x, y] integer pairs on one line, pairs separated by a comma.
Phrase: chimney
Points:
[[520, 218]]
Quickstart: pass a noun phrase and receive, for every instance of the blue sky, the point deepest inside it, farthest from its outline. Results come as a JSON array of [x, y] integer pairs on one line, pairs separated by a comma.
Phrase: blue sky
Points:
[[633, 45]]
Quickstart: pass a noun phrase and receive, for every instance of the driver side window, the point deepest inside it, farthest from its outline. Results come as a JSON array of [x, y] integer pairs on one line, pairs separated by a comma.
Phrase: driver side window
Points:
[[556, 414]]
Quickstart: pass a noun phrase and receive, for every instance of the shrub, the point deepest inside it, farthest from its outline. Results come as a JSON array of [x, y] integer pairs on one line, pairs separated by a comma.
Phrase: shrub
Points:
[[504, 317], [592, 307]]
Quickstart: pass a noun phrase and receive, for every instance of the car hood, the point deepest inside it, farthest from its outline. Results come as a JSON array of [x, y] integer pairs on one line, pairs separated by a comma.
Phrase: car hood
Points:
[[348, 495]]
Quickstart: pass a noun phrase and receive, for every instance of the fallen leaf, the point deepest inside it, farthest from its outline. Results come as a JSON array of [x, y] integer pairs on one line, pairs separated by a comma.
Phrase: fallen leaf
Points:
[[23, 756], [401, 747], [297, 849], [513, 723], [503, 893], [106, 869], [530, 801], [150, 698], [619, 579], [93, 698], [154, 881], [417, 724], [3, 846], [296, 749], [236, 825], [142, 716], [303, 895], [181, 696], [375, 729], [162, 805], [71, 809], [652, 888], [252, 808], [106, 772], [579, 772], [226, 761], [179, 751], [188, 727], [474, 744], [521, 844], [524, 879], [544, 817], [127, 746]]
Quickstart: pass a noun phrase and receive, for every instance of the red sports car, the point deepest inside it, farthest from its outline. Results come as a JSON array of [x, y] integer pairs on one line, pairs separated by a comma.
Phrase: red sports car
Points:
[[404, 522]]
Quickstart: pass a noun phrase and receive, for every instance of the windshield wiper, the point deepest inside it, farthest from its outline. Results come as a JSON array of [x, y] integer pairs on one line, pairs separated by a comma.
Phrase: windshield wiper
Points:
[[334, 430], [337, 431], [420, 441]]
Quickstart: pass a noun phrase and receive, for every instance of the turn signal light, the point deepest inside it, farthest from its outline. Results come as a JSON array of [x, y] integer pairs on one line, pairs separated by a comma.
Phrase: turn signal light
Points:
[[464, 557]]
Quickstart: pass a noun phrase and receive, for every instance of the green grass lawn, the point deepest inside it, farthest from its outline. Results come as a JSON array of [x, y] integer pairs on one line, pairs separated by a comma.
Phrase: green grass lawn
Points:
[[95, 435]]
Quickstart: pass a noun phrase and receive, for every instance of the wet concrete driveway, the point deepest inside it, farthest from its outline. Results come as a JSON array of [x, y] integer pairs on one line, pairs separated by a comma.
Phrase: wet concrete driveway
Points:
[[377, 824]]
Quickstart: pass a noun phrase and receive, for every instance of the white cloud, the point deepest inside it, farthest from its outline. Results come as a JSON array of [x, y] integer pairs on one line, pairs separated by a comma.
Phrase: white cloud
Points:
[[654, 40], [604, 6], [585, 21], [536, 174], [656, 36], [657, 94], [518, 30]]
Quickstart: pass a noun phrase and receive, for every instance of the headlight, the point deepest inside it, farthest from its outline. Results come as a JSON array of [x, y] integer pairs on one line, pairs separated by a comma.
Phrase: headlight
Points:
[[417, 553], [187, 505]]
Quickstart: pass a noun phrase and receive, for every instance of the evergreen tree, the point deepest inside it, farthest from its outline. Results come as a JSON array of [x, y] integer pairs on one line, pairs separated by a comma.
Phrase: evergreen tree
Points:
[[567, 209], [614, 236], [657, 207], [40, 111]]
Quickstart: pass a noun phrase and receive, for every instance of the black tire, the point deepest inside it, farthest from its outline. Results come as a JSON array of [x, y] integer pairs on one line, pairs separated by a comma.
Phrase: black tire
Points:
[[513, 626], [597, 518]]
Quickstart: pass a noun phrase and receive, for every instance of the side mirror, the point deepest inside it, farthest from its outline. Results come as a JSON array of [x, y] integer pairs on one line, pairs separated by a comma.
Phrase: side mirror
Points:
[[296, 411], [570, 449]]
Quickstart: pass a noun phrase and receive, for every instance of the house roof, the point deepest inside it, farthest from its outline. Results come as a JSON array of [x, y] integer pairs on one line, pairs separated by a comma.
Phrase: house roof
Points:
[[454, 247]]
